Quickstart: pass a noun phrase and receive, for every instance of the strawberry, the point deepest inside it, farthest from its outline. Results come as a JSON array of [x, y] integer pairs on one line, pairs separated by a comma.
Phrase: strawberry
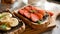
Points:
[[33, 8], [41, 12], [27, 14], [21, 11], [27, 8], [34, 17], [50, 13], [39, 15]]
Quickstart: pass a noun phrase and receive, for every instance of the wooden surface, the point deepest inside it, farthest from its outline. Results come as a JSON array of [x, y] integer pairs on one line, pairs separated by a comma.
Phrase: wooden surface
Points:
[[32, 31]]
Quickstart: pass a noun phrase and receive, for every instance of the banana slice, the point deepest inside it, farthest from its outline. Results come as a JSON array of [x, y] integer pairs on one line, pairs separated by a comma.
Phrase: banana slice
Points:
[[8, 20], [8, 28], [4, 19], [7, 14], [13, 22]]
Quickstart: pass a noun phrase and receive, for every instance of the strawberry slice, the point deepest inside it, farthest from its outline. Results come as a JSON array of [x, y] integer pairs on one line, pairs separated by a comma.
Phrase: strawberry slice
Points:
[[50, 13], [33, 8], [34, 17], [27, 8], [41, 12], [27, 14], [39, 15], [21, 11]]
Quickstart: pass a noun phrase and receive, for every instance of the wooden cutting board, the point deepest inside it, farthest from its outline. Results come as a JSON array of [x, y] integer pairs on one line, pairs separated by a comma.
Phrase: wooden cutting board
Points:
[[32, 31]]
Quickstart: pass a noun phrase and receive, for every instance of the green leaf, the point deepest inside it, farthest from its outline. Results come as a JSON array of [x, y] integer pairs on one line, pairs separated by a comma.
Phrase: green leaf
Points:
[[32, 11], [39, 22], [3, 26]]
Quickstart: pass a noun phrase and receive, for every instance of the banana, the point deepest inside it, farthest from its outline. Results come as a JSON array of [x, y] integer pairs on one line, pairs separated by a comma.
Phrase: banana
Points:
[[7, 14], [7, 19], [10, 21], [8, 28], [13, 22], [4, 19]]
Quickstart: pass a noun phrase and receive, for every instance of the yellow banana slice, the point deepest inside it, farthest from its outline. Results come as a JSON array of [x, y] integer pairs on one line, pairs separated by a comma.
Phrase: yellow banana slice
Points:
[[8, 28], [7, 14], [13, 22], [5, 19]]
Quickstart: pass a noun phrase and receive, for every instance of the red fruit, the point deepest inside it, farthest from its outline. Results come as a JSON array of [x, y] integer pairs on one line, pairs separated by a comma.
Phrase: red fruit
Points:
[[41, 12], [27, 8], [21, 11], [33, 8], [50, 13], [39, 15], [34, 17], [27, 14]]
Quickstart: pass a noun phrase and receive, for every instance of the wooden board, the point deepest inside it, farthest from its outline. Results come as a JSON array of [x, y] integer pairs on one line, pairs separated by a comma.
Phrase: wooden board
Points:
[[32, 31]]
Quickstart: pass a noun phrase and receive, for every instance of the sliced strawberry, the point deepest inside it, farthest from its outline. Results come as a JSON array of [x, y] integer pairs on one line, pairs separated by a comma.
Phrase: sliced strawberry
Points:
[[50, 13], [27, 14], [33, 8], [34, 17], [39, 15], [41, 12], [27, 8], [21, 11]]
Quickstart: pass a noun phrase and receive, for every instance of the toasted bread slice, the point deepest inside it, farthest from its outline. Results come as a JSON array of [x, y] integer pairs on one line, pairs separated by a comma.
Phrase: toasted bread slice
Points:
[[32, 24], [14, 30]]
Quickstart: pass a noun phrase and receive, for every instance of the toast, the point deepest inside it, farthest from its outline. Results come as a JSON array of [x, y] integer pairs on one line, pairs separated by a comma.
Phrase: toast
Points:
[[30, 21], [14, 30]]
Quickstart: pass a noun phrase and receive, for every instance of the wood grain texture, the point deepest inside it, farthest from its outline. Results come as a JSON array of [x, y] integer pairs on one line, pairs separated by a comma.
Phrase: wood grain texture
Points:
[[32, 31]]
